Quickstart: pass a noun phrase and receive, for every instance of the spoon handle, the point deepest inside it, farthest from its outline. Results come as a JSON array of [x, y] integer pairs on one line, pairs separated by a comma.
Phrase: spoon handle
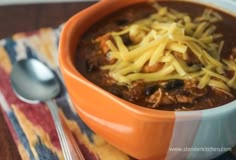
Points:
[[62, 137], [76, 149]]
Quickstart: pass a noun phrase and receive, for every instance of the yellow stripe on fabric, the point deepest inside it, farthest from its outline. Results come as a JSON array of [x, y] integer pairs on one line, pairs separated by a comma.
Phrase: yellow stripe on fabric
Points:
[[48, 46], [105, 150], [5, 61], [32, 133]]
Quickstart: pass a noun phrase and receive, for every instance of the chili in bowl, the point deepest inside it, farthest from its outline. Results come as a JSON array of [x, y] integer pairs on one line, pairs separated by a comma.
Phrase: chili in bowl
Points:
[[149, 76]]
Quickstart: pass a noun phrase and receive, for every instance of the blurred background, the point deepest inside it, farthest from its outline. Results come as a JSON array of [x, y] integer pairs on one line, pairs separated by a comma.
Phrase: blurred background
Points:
[[9, 2]]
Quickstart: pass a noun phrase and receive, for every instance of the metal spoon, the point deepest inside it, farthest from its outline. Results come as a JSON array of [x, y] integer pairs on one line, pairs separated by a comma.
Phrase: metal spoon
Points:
[[34, 82]]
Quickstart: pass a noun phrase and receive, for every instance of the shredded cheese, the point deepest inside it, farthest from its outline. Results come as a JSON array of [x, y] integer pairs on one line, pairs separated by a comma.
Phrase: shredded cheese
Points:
[[171, 38]]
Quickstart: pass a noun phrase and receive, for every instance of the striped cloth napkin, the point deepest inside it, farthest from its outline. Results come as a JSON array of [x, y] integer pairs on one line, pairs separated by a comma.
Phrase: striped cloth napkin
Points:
[[31, 125]]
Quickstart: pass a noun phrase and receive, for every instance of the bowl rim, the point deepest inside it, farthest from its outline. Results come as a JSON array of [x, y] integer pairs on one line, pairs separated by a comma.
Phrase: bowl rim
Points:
[[66, 61]]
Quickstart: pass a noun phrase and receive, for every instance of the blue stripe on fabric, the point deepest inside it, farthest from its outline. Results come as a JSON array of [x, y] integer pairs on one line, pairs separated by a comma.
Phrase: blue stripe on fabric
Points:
[[73, 116], [10, 48], [30, 53], [44, 152], [20, 134]]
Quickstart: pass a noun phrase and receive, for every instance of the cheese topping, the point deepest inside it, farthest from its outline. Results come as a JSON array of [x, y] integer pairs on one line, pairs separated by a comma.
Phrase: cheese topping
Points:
[[170, 45]]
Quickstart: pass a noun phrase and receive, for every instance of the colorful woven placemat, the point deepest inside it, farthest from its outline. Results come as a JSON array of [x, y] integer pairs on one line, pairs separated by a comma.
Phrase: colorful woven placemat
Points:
[[31, 125]]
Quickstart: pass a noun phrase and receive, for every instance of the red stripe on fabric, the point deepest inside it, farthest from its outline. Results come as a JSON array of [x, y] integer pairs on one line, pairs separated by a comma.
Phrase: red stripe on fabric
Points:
[[28, 34], [38, 114]]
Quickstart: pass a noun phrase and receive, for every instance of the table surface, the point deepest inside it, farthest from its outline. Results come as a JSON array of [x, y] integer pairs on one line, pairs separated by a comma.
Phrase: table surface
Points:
[[20, 18]]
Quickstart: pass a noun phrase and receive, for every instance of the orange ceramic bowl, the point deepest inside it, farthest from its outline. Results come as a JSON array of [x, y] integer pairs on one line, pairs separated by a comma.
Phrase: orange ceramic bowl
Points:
[[140, 132]]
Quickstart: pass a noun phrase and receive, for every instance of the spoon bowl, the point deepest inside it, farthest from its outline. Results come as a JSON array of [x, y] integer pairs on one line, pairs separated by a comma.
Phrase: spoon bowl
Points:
[[34, 82]]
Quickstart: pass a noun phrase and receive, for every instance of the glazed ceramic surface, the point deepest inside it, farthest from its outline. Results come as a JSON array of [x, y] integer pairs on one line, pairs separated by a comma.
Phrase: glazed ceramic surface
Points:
[[141, 132]]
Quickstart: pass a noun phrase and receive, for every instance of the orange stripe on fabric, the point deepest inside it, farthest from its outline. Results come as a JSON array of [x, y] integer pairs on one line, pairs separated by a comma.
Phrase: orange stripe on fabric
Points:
[[5, 62], [23, 153]]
